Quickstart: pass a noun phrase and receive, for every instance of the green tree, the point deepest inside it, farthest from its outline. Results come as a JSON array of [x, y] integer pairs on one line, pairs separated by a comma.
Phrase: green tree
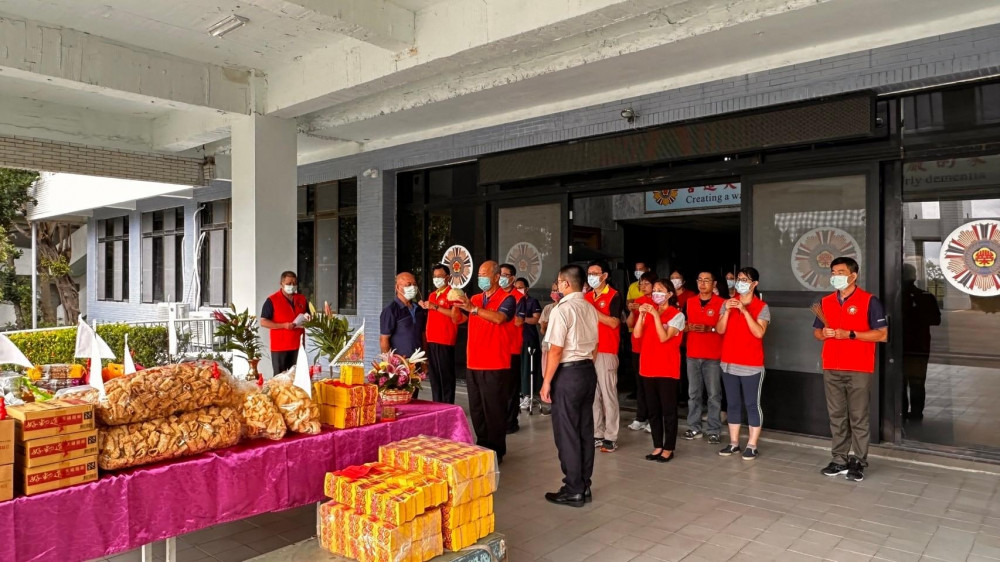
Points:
[[14, 198]]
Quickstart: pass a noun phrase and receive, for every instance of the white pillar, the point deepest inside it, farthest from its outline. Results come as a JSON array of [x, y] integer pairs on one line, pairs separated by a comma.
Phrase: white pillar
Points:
[[264, 214], [34, 275]]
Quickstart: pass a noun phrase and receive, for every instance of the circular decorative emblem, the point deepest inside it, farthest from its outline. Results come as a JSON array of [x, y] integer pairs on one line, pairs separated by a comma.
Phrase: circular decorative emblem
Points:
[[710, 312], [459, 263], [813, 252], [852, 310], [969, 258], [528, 261], [665, 196]]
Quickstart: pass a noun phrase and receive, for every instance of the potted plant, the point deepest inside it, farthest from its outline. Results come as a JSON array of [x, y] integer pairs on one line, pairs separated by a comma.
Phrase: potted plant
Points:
[[397, 377], [329, 333], [240, 331]]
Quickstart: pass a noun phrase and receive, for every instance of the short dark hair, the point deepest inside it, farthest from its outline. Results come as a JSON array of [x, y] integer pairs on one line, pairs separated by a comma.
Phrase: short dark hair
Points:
[[650, 276], [851, 264], [285, 274], [508, 267], [522, 280], [440, 266], [708, 272], [574, 275], [599, 263]]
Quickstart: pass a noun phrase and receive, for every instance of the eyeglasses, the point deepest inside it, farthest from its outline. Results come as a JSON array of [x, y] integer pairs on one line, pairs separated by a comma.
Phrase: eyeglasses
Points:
[[704, 280], [744, 279]]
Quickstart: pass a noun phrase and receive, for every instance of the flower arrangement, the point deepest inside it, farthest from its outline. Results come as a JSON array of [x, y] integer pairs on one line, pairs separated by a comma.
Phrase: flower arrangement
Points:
[[239, 329], [393, 373]]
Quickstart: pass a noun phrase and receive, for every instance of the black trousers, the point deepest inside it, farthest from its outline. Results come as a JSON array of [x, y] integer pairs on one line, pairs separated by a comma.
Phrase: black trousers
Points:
[[281, 361], [661, 403], [488, 394], [641, 414], [441, 372], [573, 390], [514, 401]]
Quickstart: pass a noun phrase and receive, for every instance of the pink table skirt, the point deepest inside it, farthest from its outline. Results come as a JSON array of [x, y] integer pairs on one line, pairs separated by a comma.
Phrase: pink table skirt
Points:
[[128, 509]]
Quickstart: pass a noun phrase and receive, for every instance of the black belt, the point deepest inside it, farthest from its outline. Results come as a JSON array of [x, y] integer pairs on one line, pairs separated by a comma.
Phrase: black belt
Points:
[[579, 363]]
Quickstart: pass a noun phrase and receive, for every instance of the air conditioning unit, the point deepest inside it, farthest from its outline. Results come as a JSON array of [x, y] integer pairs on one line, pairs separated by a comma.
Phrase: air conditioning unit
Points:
[[176, 310]]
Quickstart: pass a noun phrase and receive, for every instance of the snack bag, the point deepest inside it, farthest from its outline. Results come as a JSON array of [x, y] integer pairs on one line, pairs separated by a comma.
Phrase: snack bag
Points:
[[300, 413], [260, 416], [159, 392], [84, 392]]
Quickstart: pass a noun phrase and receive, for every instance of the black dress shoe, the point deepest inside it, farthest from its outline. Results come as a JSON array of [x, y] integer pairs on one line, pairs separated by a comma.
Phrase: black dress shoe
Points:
[[662, 458], [587, 495], [652, 457], [565, 498]]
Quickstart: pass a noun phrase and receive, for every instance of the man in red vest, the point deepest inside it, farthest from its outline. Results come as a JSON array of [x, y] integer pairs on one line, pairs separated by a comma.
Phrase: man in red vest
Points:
[[281, 314], [515, 335], [488, 359], [608, 303], [704, 353], [851, 323]]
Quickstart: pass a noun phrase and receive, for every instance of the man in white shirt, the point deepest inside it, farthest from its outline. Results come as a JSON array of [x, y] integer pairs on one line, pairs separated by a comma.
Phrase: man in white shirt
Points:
[[570, 384]]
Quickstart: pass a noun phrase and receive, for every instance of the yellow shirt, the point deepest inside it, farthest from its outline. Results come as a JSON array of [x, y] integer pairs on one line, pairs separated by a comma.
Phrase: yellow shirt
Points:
[[633, 292]]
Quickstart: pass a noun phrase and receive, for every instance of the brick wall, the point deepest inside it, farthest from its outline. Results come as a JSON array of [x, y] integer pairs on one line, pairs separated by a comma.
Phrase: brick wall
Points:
[[927, 62], [53, 156]]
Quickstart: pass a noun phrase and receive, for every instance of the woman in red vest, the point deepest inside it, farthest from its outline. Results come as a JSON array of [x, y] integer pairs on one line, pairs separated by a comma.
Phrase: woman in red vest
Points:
[[742, 323], [659, 328]]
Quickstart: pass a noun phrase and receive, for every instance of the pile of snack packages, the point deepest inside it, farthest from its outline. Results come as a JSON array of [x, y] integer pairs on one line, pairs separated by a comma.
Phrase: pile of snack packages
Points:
[[424, 495], [61, 437]]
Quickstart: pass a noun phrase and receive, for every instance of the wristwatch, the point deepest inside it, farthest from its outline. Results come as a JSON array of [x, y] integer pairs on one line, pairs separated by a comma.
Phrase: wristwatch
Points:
[[475, 311], [853, 335]]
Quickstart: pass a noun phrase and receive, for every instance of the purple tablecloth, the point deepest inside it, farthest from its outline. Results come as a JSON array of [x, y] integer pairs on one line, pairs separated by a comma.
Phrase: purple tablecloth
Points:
[[128, 509]]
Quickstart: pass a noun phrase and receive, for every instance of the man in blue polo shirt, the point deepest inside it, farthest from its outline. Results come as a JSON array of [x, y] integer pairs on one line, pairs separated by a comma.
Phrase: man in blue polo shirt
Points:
[[402, 323]]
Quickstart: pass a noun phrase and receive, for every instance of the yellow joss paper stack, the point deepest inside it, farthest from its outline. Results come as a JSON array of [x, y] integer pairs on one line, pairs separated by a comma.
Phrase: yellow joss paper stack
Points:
[[385, 493], [472, 477], [345, 531], [352, 374], [345, 406]]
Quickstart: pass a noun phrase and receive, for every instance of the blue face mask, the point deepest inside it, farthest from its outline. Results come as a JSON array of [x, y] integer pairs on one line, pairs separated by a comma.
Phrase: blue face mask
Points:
[[504, 282], [485, 283]]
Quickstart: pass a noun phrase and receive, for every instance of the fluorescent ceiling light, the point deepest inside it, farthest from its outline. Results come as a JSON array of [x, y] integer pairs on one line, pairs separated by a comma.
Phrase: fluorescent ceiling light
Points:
[[231, 23]]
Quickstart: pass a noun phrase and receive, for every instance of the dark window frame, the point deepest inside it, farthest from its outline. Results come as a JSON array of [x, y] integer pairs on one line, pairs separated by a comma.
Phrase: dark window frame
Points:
[[208, 224], [341, 208], [107, 238], [158, 235]]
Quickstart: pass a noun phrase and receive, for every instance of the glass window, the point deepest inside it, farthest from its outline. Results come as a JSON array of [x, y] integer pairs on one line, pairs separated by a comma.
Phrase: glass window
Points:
[[800, 226], [213, 256], [163, 255], [327, 242], [112, 259], [951, 320], [530, 238]]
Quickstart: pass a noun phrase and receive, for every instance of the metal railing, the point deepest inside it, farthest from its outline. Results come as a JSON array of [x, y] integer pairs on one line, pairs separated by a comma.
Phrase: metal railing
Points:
[[188, 335]]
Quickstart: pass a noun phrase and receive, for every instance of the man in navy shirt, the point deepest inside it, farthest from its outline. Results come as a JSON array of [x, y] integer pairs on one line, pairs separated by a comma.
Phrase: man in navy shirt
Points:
[[402, 323]]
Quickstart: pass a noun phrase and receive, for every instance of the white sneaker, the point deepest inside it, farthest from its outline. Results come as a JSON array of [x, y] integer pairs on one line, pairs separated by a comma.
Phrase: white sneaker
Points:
[[636, 425], [647, 429], [525, 402]]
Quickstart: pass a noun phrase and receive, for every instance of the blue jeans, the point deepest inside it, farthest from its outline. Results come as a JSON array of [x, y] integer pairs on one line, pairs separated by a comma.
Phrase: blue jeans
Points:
[[704, 375]]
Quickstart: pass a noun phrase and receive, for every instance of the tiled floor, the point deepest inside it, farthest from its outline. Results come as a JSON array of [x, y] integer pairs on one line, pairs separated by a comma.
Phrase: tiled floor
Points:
[[698, 507]]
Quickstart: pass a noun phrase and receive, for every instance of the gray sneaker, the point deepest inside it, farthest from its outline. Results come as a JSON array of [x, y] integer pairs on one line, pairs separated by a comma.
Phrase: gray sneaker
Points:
[[750, 454], [713, 439], [693, 434]]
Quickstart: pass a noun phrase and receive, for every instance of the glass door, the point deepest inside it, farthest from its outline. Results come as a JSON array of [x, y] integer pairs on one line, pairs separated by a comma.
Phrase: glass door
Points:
[[531, 237], [951, 304]]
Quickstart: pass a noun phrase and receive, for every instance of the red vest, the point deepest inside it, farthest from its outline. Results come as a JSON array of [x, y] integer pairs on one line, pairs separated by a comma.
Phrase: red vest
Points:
[[704, 345], [739, 346], [608, 338], [660, 359], [515, 334], [488, 348], [287, 340], [636, 342], [441, 329], [848, 355]]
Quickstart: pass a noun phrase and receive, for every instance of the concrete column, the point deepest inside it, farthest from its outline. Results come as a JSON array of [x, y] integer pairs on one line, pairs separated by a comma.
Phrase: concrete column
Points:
[[263, 207], [376, 250]]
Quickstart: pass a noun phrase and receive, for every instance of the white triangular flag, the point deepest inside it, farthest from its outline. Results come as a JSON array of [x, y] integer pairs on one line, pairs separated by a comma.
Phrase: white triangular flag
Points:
[[96, 378], [9, 353], [129, 364], [87, 338], [302, 378]]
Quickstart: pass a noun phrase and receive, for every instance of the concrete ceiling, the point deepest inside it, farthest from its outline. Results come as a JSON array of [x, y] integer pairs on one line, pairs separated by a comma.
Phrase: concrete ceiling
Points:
[[358, 75]]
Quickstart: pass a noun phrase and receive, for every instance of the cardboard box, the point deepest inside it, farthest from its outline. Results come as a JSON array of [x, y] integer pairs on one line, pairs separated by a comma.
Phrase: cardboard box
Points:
[[59, 448], [6, 482], [54, 417], [55, 476], [7, 441]]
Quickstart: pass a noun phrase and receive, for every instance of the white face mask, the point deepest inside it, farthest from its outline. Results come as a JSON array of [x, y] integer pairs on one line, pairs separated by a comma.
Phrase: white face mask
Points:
[[677, 283], [730, 283], [438, 282], [839, 282], [638, 274], [594, 281], [742, 287], [410, 292], [289, 289]]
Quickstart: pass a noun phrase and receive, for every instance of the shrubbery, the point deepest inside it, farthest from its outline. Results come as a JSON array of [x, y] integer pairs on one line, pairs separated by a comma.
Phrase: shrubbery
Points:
[[148, 343]]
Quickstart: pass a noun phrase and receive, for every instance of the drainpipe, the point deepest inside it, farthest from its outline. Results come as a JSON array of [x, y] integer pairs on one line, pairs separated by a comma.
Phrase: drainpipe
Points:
[[34, 276]]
